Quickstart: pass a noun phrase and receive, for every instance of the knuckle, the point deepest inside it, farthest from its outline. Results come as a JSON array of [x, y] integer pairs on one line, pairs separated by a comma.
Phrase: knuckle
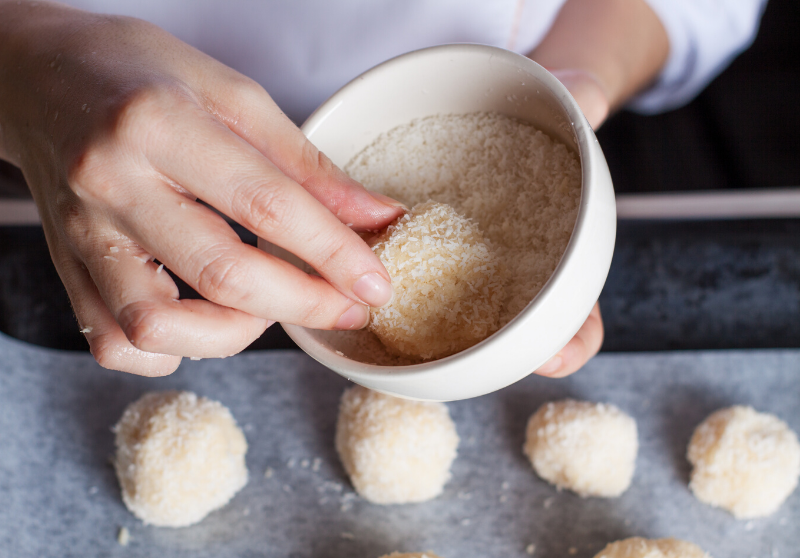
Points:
[[329, 253], [145, 325], [106, 351], [322, 307], [265, 208], [89, 172], [248, 91], [145, 113], [74, 223], [312, 162], [222, 278], [313, 313]]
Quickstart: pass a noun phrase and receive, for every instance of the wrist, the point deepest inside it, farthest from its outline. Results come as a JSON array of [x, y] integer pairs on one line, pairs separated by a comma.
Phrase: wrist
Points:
[[621, 43]]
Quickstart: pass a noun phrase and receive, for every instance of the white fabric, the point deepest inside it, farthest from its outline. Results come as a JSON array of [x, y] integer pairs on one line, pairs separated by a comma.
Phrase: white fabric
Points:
[[302, 51], [704, 37]]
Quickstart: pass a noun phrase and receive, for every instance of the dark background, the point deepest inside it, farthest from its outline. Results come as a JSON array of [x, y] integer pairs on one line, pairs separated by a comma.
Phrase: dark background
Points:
[[672, 285]]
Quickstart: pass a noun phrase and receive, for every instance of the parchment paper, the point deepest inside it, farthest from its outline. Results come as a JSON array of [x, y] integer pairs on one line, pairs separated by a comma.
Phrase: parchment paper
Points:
[[59, 496]]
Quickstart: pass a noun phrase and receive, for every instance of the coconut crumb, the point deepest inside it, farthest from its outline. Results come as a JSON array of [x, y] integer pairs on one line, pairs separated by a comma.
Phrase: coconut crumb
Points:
[[160, 268], [530, 549], [87, 329], [123, 536]]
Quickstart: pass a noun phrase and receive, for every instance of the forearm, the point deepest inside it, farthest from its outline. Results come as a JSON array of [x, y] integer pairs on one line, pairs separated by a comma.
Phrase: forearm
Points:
[[621, 42]]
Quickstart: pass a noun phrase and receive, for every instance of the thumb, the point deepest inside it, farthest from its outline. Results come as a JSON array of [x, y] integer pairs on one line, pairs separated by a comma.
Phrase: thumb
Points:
[[588, 92]]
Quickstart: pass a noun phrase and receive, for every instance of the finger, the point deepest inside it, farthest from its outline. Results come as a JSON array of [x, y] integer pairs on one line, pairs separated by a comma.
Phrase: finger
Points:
[[143, 299], [588, 93], [583, 346], [107, 342], [200, 247], [252, 114], [231, 175]]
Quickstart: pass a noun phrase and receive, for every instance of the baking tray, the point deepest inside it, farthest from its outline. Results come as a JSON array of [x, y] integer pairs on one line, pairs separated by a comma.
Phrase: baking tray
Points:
[[59, 496]]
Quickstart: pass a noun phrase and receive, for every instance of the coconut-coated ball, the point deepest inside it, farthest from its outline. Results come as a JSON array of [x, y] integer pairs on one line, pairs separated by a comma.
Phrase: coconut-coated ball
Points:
[[637, 547], [395, 450], [178, 457], [744, 461], [589, 448]]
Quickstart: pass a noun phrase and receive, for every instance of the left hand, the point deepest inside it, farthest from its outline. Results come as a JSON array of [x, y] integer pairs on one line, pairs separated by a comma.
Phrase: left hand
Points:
[[592, 99]]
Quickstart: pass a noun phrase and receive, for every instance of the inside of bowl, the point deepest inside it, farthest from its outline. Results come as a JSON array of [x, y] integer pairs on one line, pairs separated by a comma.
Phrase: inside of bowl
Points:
[[416, 86]]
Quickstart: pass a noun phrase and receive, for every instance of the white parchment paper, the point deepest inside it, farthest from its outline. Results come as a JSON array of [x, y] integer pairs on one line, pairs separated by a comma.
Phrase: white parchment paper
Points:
[[59, 496]]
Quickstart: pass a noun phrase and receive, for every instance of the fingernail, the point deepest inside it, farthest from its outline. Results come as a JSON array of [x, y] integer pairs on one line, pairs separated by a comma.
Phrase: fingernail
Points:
[[355, 317], [374, 290], [386, 200], [551, 366]]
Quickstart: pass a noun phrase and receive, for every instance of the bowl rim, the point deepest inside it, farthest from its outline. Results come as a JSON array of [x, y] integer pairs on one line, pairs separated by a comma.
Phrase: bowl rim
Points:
[[579, 127]]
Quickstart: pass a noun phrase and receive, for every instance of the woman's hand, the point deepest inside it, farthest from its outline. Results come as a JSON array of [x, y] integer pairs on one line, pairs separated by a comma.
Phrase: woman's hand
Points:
[[120, 129]]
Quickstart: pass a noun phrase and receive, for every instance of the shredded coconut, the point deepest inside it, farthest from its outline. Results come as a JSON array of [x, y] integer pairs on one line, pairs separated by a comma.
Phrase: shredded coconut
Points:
[[123, 536], [519, 186]]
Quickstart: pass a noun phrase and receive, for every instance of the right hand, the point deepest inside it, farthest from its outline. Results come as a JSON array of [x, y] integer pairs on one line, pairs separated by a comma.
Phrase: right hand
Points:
[[119, 128]]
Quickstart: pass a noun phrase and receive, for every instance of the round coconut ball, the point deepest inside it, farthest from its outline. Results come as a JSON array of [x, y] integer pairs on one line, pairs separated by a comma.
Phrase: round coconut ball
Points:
[[395, 451], [178, 458], [589, 448], [637, 547], [447, 284], [744, 461]]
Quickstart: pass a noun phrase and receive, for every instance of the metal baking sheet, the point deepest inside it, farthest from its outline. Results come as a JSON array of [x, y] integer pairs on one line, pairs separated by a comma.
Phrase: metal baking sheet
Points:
[[59, 496]]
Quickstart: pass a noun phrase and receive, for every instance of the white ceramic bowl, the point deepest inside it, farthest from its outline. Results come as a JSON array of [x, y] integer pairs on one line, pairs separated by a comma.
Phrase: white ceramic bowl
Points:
[[461, 79]]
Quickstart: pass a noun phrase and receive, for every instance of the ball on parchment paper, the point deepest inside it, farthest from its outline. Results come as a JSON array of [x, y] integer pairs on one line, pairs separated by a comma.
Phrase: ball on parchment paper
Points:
[[178, 458], [744, 461], [395, 451], [637, 547], [447, 283], [589, 448]]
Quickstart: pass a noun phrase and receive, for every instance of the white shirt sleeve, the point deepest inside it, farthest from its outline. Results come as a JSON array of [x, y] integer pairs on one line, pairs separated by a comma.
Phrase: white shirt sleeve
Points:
[[704, 37]]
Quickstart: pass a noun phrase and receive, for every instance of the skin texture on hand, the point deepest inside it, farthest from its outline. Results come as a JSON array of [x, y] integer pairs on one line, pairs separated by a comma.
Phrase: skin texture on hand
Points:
[[603, 51], [120, 129]]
